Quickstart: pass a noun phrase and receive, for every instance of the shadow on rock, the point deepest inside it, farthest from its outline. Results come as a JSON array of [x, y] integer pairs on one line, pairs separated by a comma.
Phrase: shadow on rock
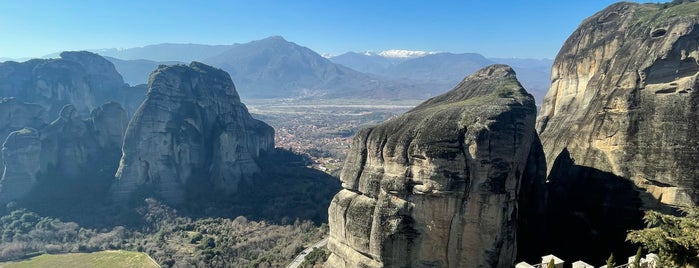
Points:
[[587, 215]]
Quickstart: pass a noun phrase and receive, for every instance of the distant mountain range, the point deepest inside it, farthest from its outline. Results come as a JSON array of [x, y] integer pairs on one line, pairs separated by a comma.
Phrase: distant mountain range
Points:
[[273, 67], [276, 68], [444, 70], [166, 52]]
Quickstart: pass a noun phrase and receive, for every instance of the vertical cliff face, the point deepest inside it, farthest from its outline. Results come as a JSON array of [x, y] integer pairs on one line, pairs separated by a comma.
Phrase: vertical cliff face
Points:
[[81, 78], [192, 129], [619, 125], [438, 186], [16, 115], [21, 151], [71, 144], [68, 149], [109, 122], [624, 98], [102, 75]]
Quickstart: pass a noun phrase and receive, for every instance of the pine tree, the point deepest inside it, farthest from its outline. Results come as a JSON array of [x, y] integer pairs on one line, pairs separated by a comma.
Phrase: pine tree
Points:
[[675, 238], [552, 264]]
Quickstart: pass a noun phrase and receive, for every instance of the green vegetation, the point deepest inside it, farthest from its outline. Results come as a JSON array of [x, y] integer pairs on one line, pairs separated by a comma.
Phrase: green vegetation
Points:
[[116, 258], [552, 264], [316, 258], [507, 88], [610, 261], [653, 15], [265, 225], [675, 238], [170, 239]]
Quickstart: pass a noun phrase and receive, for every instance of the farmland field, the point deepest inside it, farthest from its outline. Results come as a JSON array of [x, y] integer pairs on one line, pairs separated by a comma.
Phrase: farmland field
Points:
[[110, 258]]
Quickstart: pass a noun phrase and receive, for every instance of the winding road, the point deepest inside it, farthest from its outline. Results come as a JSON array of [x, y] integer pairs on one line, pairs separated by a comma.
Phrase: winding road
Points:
[[299, 258]]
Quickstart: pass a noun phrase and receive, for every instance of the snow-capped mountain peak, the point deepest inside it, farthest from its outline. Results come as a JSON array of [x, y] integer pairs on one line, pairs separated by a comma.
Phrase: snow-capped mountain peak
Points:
[[404, 54]]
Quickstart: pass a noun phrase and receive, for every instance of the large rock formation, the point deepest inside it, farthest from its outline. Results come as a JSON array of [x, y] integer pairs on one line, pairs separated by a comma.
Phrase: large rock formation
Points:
[[16, 115], [624, 98], [109, 122], [68, 149], [191, 130], [70, 144], [82, 78], [620, 125], [438, 186], [21, 152]]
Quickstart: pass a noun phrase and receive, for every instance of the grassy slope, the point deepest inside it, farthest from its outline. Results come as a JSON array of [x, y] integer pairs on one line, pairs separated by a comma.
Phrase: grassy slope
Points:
[[120, 258]]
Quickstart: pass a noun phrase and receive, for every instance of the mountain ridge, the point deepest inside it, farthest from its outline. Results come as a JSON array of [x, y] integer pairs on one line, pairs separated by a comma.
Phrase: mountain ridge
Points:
[[300, 72]]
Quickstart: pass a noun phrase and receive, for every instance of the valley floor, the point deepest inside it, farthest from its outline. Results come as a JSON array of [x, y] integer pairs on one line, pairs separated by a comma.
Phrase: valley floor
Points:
[[108, 258], [323, 129]]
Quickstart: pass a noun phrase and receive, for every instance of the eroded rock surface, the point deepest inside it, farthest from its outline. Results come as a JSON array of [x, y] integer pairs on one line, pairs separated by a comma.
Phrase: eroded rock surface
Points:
[[438, 186], [619, 127], [68, 149], [624, 99], [81, 78], [192, 129], [16, 114], [21, 156]]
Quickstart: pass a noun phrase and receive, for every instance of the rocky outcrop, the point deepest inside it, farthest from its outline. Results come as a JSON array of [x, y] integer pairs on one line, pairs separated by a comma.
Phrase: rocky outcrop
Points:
[[439, 185], [619, 126], [21, 152], [104, 80], [52, 83], [70, 144], [16, 115], [624, 99], [192, 129], [69, 148], [83, 79], [109, 122]]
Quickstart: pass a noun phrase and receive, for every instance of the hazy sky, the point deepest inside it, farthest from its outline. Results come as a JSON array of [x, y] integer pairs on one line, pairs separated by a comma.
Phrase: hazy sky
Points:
[[512, 28]]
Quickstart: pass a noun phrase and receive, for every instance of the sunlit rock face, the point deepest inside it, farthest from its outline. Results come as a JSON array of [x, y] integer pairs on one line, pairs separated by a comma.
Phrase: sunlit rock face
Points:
[[83, 79], [191, 129], [624, 98], [103, 78], [439, 185], [619, 126]]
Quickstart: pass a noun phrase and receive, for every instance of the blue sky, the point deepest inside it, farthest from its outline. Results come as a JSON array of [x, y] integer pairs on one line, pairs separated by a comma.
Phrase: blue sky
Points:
[[514, 28]]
